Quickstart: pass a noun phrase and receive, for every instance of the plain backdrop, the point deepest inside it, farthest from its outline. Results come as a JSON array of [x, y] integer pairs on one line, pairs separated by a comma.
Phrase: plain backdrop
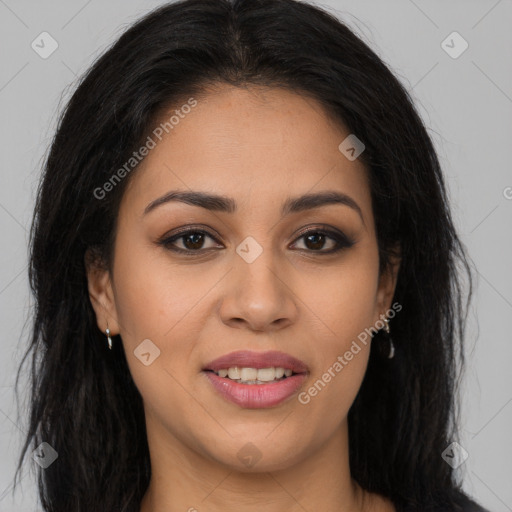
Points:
[[464, 98]]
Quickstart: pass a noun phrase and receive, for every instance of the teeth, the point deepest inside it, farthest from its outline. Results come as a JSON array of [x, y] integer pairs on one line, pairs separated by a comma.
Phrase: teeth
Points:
[[254, 375], [267, 374], [248, 374], [234, 373]]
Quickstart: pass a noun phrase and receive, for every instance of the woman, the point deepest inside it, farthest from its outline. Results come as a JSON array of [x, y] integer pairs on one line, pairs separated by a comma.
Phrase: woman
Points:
[[244, 267]]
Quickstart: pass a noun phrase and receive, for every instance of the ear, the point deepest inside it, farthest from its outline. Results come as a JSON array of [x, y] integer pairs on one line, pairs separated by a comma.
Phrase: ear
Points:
[[101, 292], [387, 282]]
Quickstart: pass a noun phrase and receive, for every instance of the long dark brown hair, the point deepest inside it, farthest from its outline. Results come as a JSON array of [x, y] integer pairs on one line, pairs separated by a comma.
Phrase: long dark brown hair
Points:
[[84, 402]]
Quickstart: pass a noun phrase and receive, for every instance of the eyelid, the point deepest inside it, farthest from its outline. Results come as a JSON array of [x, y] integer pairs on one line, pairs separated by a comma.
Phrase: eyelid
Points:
[[324, 229], [192, 227]]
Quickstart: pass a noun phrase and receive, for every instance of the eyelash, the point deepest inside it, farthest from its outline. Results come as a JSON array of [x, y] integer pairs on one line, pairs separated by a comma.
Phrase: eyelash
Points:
[[342, 241]]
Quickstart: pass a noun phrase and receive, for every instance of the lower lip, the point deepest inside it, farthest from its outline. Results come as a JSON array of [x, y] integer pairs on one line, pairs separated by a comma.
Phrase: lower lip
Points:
[[256, 396]]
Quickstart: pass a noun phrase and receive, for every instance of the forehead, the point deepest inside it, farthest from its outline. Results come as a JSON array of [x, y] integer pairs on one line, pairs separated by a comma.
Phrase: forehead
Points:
[[259, 143]]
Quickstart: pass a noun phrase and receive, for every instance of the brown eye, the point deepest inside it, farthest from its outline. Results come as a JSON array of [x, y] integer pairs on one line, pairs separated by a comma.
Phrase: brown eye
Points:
[[315, 240], [192, 241]]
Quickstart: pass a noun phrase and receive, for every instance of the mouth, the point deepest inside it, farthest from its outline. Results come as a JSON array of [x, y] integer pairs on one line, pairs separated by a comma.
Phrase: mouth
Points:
[[256, 380]]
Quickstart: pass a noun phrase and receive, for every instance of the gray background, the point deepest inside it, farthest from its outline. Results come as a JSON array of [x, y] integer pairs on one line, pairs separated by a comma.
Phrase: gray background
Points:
[[466, 102]]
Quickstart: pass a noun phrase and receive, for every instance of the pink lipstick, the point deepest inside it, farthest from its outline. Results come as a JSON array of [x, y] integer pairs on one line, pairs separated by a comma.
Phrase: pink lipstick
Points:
[[255, 380]]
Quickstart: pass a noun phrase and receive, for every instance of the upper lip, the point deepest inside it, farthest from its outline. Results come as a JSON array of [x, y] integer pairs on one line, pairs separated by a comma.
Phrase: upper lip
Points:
[[250, 359]]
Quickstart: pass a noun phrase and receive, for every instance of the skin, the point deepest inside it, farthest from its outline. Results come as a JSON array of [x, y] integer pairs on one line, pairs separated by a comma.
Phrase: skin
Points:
[[259, 146]]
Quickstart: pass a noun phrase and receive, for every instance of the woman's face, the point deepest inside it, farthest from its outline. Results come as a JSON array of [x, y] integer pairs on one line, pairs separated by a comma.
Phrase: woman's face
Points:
[[247, 279]]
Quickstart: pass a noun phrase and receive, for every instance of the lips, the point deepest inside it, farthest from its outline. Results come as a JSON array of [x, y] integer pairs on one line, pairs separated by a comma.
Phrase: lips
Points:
[[261, 395], [250, 359]]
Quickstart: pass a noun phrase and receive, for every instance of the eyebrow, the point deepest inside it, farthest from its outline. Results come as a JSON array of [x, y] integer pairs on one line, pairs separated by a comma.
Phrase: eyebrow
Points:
[[218, 203]]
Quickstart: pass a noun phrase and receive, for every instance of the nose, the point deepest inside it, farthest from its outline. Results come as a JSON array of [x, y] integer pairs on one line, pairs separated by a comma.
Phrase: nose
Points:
[[259, 296]]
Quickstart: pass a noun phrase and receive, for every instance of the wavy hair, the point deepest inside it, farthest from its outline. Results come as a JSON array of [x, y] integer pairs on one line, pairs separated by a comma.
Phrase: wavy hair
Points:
[[83, 400]]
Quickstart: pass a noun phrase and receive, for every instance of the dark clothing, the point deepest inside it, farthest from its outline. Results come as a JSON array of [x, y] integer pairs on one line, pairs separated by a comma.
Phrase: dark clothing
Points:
[[464, 504]]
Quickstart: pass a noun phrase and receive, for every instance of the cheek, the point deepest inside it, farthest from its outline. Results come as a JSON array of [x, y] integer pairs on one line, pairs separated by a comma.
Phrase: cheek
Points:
[[152, 294], [343, 307], [342, 299], [161, 302]]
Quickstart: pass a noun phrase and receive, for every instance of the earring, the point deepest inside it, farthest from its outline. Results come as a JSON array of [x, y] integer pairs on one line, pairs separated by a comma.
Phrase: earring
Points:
[[391, 344], [109, 339]]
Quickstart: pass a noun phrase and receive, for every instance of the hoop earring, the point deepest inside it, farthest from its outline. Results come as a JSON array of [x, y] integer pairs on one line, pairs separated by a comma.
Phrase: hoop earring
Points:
[[391, 344], [109, 339]]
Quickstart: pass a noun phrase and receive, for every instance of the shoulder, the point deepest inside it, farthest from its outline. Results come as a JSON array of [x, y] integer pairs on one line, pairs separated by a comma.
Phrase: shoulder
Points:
[[467, 504], [462, 503]]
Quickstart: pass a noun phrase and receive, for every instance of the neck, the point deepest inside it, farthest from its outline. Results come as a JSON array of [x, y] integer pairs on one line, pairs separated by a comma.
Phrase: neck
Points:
[[184, 480]]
